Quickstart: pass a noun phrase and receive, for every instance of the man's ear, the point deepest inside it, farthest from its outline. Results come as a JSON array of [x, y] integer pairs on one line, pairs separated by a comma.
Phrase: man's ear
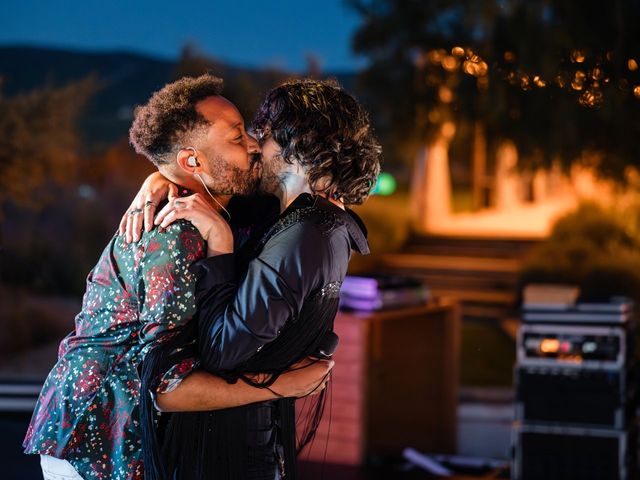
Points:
[[187, 160]]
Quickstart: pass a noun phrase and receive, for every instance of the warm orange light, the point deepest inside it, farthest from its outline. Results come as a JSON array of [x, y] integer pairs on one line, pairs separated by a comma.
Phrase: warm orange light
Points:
[[450, 63], [550, 345], [578, 56], [457, 52], [436, 56], [591, 97], [572, 359], [632, 65], [578, 80], [445, 94], [448, 129], [540, 83], [636, 91], [470, 68]]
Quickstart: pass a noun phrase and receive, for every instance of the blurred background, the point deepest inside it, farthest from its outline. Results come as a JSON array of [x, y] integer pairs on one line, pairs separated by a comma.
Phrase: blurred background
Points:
[[510, 134]]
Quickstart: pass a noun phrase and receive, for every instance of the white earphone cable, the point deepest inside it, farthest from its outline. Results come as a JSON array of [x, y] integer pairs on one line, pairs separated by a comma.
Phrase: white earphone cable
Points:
[[213, 198]]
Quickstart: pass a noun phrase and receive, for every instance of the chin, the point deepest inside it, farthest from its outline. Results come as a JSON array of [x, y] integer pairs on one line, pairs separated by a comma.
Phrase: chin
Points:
[[266, 187]]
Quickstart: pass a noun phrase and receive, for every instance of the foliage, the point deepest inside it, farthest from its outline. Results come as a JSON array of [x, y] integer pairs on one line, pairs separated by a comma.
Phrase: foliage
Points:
[[52, 249], [593, 247], [38, 142], [557, 78]]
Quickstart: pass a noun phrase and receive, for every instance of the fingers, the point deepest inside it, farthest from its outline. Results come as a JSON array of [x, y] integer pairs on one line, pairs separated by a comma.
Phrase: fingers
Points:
[[187, 205], [168, 208], [174, 210], [136, 225], [130, 219], [149, 211], [322, 385], [154, 199], [325, 363], [122, 228], [132, 227], [171, 217], [325, 367], [128, 228], [140, 213], [173, 192]]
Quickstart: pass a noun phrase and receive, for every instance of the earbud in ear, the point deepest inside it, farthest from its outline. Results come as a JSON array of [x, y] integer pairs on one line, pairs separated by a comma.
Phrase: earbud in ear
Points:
[[192, 160]]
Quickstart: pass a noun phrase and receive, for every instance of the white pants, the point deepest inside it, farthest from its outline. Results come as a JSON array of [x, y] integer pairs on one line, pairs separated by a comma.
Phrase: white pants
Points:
[[57, 469]]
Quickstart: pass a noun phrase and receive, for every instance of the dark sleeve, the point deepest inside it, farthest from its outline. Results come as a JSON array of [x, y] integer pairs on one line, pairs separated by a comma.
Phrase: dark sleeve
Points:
[[237, 317]]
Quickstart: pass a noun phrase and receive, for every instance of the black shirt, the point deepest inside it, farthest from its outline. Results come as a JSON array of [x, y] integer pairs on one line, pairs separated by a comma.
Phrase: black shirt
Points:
[[305, 250], [261, 310]]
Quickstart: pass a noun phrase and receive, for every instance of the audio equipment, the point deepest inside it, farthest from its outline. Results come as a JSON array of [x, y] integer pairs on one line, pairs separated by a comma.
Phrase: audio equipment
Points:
[[576, 393], [556, 453]]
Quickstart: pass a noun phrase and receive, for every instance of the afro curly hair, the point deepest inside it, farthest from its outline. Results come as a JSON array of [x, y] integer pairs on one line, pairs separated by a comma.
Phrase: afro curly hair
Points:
[[169, 116]]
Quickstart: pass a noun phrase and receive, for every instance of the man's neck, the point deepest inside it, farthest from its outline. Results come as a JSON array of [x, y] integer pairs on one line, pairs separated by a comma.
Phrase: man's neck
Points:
[[292, 186], [196, 186]]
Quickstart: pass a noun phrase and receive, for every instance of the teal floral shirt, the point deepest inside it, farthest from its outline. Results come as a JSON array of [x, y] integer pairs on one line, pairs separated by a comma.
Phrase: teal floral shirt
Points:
[[137, 296]]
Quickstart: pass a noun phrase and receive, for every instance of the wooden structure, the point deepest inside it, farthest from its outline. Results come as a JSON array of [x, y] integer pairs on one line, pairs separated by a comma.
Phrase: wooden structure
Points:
[[395, 385]]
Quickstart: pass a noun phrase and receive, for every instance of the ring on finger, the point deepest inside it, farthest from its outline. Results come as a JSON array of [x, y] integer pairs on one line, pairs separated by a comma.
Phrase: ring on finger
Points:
[[135, 211], [148, 204], [178, 204]]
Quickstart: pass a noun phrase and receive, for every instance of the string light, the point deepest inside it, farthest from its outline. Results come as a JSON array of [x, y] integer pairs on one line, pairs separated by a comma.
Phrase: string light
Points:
[[457, 52], [578, 56], [584, 74]]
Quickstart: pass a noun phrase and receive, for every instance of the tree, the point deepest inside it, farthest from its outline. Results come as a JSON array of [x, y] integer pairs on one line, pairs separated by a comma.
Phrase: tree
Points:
[[39, 145], [556, 78]]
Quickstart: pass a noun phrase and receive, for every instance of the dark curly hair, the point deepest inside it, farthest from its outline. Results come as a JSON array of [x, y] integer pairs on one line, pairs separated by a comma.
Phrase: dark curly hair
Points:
[[169, 115], [322, 127]]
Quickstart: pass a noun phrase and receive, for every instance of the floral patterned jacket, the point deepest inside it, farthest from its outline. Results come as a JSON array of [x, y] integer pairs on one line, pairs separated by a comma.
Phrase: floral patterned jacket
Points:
[[137, 295]]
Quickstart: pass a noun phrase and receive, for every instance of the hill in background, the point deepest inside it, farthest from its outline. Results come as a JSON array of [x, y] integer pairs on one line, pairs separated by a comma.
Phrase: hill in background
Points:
[[125, 79]]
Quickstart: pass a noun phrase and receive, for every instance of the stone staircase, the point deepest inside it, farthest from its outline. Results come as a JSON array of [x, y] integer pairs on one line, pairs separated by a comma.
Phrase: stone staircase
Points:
[[481, 273]]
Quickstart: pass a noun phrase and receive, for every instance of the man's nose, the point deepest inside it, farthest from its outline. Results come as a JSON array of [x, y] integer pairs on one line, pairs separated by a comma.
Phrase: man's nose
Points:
[[252, 145]]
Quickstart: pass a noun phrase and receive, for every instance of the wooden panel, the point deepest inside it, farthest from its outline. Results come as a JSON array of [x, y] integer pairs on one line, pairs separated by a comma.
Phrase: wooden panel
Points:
[[412, 394], [394, 385]]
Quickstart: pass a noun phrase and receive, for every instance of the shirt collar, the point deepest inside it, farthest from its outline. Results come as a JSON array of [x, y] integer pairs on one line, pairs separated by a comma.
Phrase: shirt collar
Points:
[[355, 226]]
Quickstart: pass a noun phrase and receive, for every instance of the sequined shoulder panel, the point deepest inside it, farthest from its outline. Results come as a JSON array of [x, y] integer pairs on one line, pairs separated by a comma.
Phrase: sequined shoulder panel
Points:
[[327, 221]]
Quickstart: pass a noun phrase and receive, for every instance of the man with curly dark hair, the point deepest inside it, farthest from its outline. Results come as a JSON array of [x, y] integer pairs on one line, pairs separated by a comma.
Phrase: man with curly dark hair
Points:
[[274, 301], [320, 128], [140, 296]]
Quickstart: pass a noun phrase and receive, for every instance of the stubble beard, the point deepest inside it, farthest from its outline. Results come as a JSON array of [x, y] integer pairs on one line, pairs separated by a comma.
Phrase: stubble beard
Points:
[[270, 181], [228, 179]]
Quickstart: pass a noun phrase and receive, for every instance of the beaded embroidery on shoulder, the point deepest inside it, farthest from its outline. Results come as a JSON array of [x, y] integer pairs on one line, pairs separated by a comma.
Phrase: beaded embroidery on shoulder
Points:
[[327, 221]]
